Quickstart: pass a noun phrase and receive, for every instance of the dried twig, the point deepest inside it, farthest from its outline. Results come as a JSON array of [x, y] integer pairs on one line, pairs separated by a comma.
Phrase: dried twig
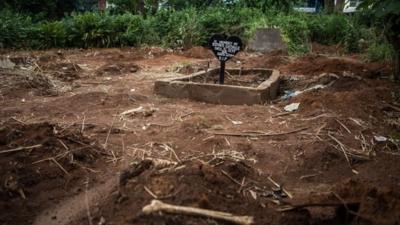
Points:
[[109, 132], [150, 192], [257, 134], [157, 206], [231, 178], [20, 149], [342, 148], [83, 124], [280, 186], [344, 126], [63, 144], [282, 114], [89, 216], [59, 165]]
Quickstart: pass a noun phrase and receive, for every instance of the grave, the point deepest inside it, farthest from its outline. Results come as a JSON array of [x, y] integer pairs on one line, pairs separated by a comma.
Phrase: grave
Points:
[[268, 40], [223, 86], [240, 90]]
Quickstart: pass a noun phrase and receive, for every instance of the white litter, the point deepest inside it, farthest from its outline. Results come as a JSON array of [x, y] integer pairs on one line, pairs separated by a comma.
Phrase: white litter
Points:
[[292, 107], [6, 64], [379, 138]]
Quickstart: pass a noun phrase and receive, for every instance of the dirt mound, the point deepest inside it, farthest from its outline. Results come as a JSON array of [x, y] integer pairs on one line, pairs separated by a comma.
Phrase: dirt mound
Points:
[[317, 64], [15, 83], [349, 97], [39, 164], [365, 204], [117, 69], [217, 186], [326, 49], [267, 60], [66, 72], [198, 52]]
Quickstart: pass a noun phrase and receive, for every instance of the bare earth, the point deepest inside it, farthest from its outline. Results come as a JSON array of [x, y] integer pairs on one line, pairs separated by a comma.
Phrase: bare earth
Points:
[[76, 158]]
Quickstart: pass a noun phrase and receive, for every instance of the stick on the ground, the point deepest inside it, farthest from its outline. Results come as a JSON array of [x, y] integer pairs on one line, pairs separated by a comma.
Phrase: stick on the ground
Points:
[[344, 126], [20, 149], [59, 166], [342, 148], [306, 205], [88, 214], [109, 132], [258, 134], [157, 206], [231, 178], [281, 114], [280, 186]]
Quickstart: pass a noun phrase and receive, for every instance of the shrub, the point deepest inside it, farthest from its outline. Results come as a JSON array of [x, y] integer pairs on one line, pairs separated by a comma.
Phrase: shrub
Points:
[[187, 27], [16, 31], [295, 32], [52, 34]]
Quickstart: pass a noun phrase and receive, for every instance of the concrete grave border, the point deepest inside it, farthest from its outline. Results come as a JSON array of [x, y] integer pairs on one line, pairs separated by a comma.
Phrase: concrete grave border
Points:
[[183, 87]]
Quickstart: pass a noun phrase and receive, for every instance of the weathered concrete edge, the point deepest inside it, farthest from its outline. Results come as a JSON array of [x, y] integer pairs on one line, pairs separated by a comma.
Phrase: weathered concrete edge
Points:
[[219, 94]]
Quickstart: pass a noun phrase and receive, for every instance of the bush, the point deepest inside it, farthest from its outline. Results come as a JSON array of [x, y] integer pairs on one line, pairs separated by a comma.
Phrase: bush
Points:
[[379, 52], [329, 29], [103, 30], [188, 27], [16, 31], [52, 34], [295, 32]]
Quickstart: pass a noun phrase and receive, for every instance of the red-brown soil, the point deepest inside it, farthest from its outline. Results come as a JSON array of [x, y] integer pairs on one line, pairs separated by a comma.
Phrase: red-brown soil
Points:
[[325, 154]]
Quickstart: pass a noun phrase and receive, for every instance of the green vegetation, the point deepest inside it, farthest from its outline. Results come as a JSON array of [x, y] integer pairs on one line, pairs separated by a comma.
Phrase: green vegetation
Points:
[[386, 16], [185, 24]]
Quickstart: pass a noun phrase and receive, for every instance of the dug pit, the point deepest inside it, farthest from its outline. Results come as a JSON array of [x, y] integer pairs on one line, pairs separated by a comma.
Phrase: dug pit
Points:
[[242, 86]]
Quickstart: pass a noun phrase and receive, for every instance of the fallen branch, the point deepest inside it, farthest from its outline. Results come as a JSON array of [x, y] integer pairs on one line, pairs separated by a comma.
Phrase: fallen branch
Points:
[[157, 206], [282, 114], [59, 166], [257, 134], [344, 126], [88, 214], [342, 148], [280, 186], [20, 149], [307, 205]]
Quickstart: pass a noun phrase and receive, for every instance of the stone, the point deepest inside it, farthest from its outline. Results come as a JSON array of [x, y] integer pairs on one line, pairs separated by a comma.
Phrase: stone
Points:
[[268, 40]]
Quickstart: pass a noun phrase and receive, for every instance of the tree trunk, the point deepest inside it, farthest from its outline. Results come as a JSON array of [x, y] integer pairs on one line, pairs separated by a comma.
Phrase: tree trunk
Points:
[[339, 5], [329, 5], [396, 66], [394, 40], [102, 4]]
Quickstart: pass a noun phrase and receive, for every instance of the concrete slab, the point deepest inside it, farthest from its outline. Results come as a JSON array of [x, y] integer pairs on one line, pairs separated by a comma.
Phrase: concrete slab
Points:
[[185, 87], [267, 40]]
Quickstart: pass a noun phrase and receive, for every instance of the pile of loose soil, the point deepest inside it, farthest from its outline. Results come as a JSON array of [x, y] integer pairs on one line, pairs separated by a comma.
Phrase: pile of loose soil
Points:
[[359, 203], [16, 83], [117, 69], [198, 52], [214, 186], [317, 64], [66, 72], [39, 165], [349, 97], [268, 60], [326, 49]]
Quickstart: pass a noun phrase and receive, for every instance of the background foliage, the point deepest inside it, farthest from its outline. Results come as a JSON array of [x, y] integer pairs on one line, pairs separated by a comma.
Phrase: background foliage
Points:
[[176, 23]]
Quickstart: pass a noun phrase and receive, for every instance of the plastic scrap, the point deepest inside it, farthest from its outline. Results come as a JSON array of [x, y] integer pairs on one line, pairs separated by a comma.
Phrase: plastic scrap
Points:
[[289, 94], [379, 138], [292, 107]]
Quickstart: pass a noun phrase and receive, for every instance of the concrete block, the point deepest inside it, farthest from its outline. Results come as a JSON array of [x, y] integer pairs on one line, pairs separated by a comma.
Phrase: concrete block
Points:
[[184, 87], [268, 40]]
